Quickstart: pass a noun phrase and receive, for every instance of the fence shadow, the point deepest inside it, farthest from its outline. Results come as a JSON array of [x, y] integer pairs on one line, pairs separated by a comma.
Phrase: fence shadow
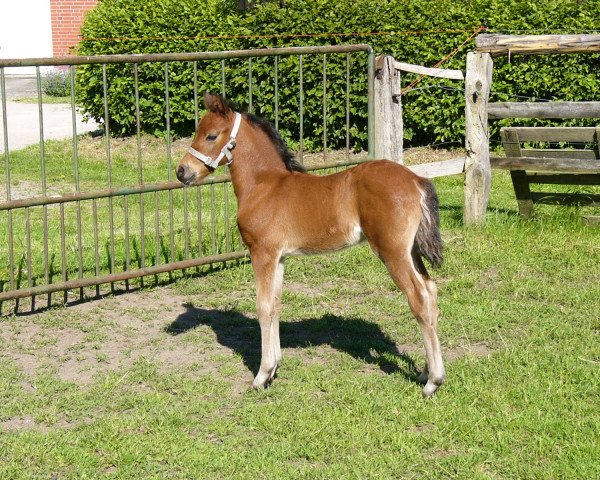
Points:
[[357, 337]]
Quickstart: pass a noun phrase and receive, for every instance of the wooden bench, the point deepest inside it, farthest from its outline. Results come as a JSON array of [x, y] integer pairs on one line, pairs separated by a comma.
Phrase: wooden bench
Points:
[[558, 166]]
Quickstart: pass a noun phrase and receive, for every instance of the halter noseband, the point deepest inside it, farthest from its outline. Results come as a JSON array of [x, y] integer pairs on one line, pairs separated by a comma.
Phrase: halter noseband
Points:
[[225, 151]]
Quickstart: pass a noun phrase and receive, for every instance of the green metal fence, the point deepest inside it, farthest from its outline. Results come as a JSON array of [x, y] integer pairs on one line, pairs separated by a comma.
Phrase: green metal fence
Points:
[[85, 241]]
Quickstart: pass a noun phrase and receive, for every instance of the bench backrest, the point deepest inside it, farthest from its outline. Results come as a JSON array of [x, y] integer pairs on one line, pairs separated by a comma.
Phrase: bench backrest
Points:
[[586, 138]]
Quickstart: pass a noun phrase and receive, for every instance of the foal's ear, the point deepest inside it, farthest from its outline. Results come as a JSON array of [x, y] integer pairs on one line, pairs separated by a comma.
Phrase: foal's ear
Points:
[[216, 104]]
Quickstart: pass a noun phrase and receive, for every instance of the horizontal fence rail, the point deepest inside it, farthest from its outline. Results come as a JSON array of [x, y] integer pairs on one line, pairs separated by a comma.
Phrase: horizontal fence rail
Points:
[[182, 57], [544, 110], [496, 44], [87, 216]]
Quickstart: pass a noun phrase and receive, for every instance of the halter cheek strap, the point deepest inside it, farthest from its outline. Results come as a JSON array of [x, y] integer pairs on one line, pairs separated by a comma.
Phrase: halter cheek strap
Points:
[[225, 151]]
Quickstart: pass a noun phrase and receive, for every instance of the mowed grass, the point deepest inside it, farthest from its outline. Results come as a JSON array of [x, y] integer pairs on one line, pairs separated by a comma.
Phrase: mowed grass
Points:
[[156, 383]]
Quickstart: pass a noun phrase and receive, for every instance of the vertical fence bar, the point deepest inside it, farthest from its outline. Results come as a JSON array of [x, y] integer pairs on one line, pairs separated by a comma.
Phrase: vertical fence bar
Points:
[[41, 127], [199, 213], [5, 132], [196, 117], [76, 178], [250, 85], [96, 253], [169, 163], [324, 108], [74, 124], [226, 202], [138, 137], [156, 231], [186, 237], [127, 253], [185, 190], [168, 121], [276, 92], [108, 175], [63, 250], [347, 107], [11, 254], [213, 237], [371, 102], [301, 103], [28, 243], [43, 173], [223, 78]]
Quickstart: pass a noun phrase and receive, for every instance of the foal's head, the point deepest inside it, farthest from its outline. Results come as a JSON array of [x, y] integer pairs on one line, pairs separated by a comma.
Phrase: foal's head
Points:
[[211, 136]]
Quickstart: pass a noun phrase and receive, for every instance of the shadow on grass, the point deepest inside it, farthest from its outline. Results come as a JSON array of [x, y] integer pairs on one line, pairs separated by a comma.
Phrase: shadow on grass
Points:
[[357, 337]]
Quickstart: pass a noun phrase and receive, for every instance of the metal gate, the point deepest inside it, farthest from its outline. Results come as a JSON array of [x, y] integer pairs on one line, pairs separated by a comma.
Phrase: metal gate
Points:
[[86, 237]]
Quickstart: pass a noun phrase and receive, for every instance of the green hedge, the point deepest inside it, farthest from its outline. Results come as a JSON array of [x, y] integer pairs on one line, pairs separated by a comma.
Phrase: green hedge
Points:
[[433, 112]]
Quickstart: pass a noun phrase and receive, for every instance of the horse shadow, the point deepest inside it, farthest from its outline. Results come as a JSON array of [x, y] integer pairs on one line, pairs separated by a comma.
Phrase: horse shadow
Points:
[[357, 337]]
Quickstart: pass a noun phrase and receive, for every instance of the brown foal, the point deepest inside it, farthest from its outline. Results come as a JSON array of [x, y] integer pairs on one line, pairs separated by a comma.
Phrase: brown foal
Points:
[[282, 210]]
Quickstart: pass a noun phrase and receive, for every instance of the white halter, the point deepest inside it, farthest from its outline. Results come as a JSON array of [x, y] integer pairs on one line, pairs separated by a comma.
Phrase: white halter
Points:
[[225, 151]]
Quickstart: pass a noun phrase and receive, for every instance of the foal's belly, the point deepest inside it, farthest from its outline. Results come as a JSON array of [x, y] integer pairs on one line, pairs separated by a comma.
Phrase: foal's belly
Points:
[[328, 239]]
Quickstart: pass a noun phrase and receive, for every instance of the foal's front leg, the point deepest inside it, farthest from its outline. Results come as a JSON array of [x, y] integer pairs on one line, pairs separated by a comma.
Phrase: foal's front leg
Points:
[[268, 273]]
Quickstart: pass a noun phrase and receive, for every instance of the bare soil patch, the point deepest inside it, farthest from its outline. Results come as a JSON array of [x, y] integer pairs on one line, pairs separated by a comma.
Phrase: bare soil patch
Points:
[[108, 334]]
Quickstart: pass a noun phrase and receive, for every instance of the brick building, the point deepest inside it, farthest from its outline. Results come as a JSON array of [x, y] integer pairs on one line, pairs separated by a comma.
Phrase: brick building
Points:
[[66, 18]]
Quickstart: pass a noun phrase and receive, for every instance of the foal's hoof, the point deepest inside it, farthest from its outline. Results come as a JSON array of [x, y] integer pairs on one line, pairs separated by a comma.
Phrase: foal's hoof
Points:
[[429, 389], [263, 379], [260, 381], [432, 385]]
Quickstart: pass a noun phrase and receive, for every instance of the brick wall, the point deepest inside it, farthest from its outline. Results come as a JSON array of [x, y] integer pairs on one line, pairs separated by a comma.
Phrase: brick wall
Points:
[[66, 17]]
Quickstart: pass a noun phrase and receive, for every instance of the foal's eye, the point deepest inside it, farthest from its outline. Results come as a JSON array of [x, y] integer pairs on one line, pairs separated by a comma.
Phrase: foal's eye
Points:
[[211, 138]]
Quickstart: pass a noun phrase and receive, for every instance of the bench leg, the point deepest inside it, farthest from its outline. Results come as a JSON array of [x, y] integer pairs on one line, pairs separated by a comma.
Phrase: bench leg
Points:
[[522, 192]]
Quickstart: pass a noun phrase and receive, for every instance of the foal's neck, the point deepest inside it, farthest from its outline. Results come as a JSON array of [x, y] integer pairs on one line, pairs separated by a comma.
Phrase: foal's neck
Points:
[[256, 162]]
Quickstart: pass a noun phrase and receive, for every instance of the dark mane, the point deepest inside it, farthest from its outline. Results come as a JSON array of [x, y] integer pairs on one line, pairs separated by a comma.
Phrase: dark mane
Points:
[[288, 158]]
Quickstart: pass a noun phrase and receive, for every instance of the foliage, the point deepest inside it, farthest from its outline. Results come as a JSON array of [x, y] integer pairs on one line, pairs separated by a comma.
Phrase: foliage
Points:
[[432, 112], [56, 84]]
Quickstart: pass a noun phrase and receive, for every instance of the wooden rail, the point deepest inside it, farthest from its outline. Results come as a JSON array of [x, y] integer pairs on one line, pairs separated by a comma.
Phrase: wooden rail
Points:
[[444, 168], [532, 164], [430, 72], [536, 44], [554, 134], [544, 110]]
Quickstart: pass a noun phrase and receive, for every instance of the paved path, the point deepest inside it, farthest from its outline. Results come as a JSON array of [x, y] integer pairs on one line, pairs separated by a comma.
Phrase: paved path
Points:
[[23, 118]]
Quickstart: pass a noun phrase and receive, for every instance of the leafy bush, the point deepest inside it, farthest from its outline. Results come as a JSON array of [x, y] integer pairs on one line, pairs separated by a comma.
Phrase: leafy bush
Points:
[[56, 84], [432, 114]]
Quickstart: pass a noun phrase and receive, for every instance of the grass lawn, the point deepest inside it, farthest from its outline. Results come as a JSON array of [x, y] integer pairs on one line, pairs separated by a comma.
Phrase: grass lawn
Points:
[[45, 99], [156, 383]]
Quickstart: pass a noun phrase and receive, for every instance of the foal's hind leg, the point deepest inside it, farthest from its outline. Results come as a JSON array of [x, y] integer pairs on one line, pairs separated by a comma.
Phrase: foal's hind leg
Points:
[[421, 293], [268, 273], [432, 289]]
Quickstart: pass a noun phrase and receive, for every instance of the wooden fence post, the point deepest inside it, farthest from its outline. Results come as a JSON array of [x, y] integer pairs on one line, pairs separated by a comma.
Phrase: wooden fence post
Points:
[[478, 175], [388, 111]]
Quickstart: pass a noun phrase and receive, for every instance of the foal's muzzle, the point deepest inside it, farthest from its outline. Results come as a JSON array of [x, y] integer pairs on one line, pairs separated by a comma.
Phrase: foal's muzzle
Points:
[[184, 175]]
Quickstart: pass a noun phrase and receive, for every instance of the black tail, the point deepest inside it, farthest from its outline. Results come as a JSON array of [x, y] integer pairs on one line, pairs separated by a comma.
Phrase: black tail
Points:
[[428, 241]]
